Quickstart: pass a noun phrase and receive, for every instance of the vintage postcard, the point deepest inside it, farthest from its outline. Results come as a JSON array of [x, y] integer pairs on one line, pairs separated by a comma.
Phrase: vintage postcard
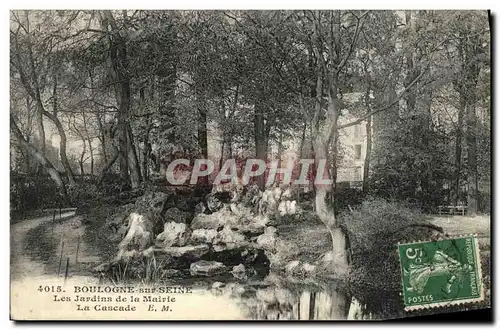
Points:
[[249, 164]]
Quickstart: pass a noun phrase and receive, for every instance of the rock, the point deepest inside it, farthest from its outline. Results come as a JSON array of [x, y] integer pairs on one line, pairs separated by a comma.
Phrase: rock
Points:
[[291, 266], [292, 207], [188, 252], [178, 257], [206, 268], [138, 236], [284, 252], [328, 258], [287, 207], [287, 193], [119, 217], [229, 239], [153, 200], [126, 256], [247, 256], [234, 208], [308, 268], [238, 269], [252, 195], [169, 273], [175, 215], [77, 221], [149, 252], [267, 241], [239, 272], [212, 221], [277, 193], [102, 268], [282, 208], [235, 289], [217, 285], [213, 203], [270, 200], [199, 208], [203, 235], [174, 234], [253, 225], [270, 230]]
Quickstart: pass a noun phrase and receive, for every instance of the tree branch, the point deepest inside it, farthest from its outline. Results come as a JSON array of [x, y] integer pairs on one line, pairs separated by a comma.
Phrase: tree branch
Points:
[[394, 102], [359, 26]]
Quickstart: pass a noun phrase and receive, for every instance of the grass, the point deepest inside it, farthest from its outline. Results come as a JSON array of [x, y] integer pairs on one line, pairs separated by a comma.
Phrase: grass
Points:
[[41, 245], [138, 269]]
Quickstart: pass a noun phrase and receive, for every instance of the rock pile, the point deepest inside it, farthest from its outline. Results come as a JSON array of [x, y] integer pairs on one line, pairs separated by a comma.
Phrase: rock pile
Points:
[[203, 236]]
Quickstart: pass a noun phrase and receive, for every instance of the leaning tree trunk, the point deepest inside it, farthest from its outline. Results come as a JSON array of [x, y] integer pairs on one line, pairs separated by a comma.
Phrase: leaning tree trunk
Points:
[[82, 156], [40, 158], [62, 146], [107, 167]]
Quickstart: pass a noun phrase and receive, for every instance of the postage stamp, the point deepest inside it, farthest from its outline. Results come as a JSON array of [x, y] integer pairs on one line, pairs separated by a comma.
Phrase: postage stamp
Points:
[[441, 273]]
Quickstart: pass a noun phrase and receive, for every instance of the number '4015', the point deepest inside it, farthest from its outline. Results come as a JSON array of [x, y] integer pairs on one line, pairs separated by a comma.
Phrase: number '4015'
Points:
[[50, 288]]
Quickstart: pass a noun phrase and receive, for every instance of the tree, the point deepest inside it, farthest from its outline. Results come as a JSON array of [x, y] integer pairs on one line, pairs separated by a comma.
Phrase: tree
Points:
[[39, 157], [33, 76]]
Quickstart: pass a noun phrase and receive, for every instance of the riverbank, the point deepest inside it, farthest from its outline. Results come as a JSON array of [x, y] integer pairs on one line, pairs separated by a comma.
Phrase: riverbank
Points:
[[42, 245]]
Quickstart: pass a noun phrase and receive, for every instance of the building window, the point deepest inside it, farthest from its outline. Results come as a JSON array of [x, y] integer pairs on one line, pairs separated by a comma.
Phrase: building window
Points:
[[357, 151], [357, 131], [357, 174]]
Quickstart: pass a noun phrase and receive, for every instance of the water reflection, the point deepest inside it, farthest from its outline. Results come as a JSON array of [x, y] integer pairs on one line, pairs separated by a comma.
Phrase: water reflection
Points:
[[275, 301]]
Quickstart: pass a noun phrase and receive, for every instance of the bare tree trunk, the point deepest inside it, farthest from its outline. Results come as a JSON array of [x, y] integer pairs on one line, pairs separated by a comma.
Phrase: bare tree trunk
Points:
[[91, 156], [102, 138], [62, 146], [458, 149], [326, 213], [146, 156], [260, 139], [40, 158], [312, 305], [147, 145], [82, 156], [333, 165], [89, 141], [472, 195], [280, 151], [108, 165], [221, 161], [302, 140], [366, 168], [118, 64], [202, 130], [135, 170], [41, 130]]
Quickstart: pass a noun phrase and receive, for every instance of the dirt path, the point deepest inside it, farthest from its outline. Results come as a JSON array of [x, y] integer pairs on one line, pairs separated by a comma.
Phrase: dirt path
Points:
[[21, 264], [464, 225], [33, 256]]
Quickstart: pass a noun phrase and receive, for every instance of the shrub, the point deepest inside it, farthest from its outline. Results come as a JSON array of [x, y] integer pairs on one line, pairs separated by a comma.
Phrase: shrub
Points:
[[345, 197], [376, 223], [30, 192], [374, 229]]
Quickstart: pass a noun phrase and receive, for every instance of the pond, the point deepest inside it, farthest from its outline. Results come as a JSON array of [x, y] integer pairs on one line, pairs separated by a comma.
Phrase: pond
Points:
[[276, 297]]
